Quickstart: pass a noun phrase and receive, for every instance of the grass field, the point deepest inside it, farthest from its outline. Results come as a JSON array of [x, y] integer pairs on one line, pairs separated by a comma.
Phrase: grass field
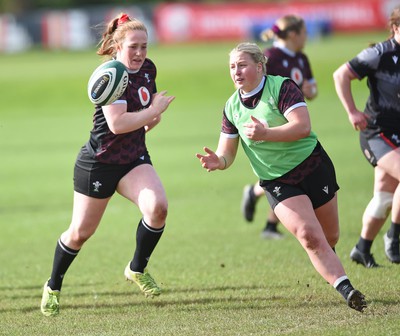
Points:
[[218, 276]]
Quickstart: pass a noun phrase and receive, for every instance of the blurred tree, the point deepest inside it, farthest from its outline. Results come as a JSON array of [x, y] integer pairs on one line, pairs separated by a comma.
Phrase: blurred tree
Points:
[[15, 6]]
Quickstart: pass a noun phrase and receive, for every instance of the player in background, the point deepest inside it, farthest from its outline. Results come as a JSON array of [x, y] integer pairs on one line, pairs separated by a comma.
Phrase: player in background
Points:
[[116, 159], [285, 58], [269, 116], [379, 127]]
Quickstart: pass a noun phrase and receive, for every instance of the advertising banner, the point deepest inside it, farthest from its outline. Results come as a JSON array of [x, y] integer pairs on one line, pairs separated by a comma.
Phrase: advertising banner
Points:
[[178, 22]]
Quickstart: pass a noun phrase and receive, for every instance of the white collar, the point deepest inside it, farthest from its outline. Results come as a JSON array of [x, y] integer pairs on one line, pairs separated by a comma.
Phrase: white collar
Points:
[[255, 91]]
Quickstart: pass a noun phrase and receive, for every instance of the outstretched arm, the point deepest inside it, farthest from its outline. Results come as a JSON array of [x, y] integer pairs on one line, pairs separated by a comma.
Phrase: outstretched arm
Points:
[[223, 157]]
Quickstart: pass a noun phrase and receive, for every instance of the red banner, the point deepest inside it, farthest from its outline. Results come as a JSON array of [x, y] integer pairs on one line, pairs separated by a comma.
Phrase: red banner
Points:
[[176, 22]]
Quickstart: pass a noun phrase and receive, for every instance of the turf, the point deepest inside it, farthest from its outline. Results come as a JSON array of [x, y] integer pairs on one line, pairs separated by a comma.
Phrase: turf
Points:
[[218, 276]]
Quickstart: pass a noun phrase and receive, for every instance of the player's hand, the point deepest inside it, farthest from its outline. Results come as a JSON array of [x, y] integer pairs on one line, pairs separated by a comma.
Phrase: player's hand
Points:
[[161, 101], [255, 130], [309, 89], [210, 161], [358, 120]]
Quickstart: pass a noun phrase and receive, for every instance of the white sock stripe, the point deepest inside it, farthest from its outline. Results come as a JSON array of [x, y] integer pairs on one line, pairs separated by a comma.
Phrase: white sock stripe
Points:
[[64, 249], [339, 280], [152, 229]]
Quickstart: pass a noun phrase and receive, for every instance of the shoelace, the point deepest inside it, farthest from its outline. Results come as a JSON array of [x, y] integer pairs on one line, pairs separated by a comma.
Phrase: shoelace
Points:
[[148, 282], [53, 300]]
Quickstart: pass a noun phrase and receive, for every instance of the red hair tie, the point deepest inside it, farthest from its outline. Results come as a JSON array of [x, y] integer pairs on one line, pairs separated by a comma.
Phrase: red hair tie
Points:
[[124, 18], [275, 29]]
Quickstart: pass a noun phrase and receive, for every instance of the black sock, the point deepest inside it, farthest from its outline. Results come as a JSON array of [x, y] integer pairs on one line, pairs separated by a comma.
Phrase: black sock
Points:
[[63, 258], [394, 230], [344, 286], [146, 241], [271, 226], [364, 245]]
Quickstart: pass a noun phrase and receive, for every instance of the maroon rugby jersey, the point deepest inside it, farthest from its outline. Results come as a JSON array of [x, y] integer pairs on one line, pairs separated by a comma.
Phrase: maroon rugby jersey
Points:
[[283, 62], [107, 147]]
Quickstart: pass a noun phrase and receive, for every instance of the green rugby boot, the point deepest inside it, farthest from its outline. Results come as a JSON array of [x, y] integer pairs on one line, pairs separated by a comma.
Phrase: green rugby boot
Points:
[[50, 301], [144, 280]]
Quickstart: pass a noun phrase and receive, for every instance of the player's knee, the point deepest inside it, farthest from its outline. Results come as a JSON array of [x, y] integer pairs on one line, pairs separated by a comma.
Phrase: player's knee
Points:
[[380, 205], [159, 212], [76, 237], [307, 239], [333, 239]]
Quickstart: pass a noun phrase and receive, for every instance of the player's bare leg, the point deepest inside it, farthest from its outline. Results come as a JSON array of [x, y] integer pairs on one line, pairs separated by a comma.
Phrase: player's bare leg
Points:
[[143, 187], [390, 164], [311, 230]]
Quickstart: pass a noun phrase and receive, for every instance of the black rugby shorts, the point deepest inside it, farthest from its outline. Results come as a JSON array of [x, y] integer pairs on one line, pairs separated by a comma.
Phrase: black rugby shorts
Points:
[[100, 180], [320, 186], [375, 147]]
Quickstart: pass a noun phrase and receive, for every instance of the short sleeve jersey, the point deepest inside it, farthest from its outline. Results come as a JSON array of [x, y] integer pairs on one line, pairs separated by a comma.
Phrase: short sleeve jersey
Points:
[[278, 97], [381, 65], [107, 147], [284, 62]]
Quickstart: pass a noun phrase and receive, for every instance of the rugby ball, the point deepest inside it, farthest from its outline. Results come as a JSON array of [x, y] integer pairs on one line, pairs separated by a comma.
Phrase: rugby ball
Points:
[[107, 83]]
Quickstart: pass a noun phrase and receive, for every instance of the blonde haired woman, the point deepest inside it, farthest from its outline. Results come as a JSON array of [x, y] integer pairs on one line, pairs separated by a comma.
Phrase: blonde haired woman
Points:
[[268, 116], [285, 58]]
